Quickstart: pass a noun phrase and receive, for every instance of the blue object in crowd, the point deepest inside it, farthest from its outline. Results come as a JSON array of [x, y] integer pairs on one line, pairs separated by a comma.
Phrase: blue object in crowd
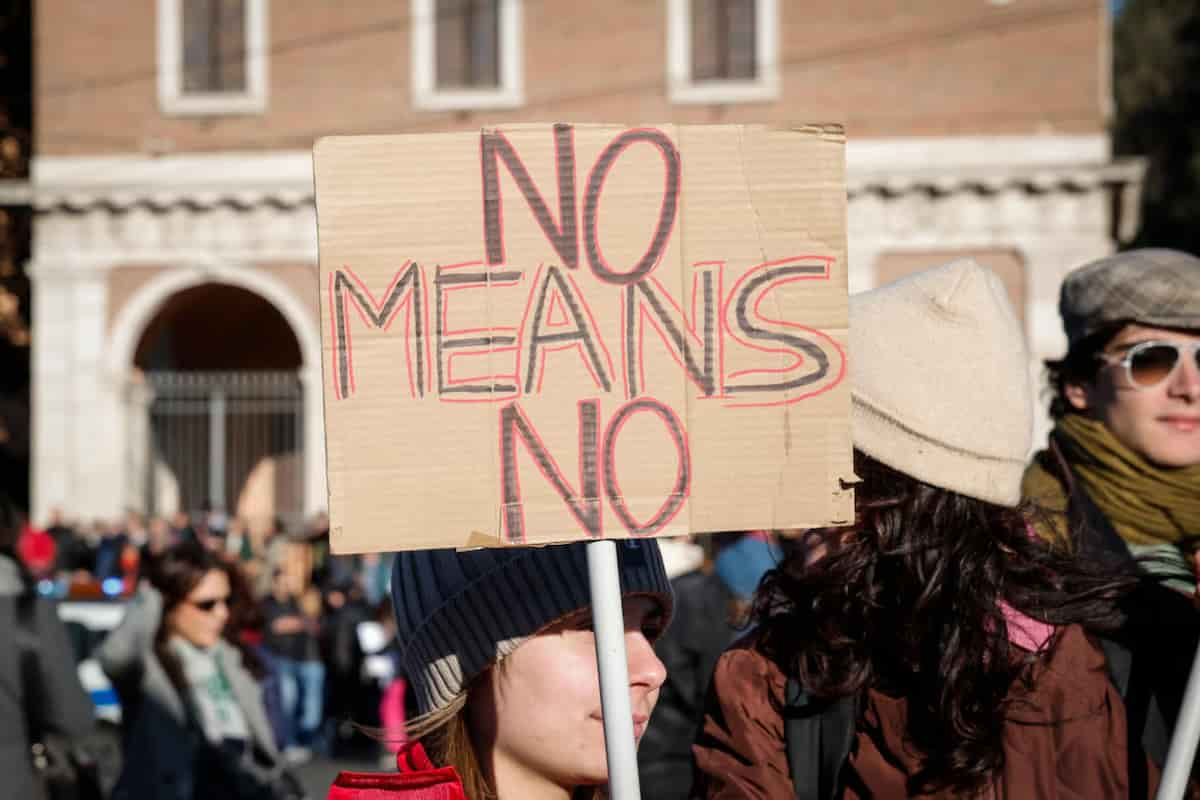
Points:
[[741, 565]]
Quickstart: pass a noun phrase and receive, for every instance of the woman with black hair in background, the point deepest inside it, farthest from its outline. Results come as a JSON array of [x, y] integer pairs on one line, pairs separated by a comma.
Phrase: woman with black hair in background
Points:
[[962, 644], [61, 706], [195, 726]]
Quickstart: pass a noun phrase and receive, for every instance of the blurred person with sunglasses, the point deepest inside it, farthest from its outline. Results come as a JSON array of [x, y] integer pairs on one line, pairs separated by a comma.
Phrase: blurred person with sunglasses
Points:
[[193, 715], [1122, 465]]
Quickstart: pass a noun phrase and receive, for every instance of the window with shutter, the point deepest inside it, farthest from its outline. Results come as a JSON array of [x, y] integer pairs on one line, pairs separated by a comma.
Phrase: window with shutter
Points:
[[468, 44], [466, 54], [212, 56], [723, 51], [213, 34]]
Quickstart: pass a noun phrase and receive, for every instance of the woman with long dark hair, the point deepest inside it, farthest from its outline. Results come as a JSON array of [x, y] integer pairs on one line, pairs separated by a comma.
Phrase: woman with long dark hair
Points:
[[963, 646], [195, 726]]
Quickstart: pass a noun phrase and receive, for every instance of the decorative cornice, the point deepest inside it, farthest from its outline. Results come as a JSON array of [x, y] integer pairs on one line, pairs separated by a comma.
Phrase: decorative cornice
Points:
[[99, 236], [996, 178], [97, 211], [244, 180], [239, 180]]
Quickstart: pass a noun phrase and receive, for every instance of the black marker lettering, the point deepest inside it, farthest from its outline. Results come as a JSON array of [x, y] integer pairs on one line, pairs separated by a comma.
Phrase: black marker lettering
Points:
[[444, 342], [563, 235], [666, 214], [581, 329], [682, 485], [408, 287], [645, 294], [797, 343], [584, 505]]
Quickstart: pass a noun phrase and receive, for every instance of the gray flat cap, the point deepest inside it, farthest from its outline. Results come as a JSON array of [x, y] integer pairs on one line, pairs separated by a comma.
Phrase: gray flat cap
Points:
[[1156, 287]]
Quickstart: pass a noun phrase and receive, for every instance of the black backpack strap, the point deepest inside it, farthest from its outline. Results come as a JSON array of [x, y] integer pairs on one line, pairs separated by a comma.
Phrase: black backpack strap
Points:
[[1137, 697], [1120, 663], [819, 736]]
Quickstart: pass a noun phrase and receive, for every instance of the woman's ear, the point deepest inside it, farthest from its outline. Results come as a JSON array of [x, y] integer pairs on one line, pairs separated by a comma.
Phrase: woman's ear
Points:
[[1078, 395]]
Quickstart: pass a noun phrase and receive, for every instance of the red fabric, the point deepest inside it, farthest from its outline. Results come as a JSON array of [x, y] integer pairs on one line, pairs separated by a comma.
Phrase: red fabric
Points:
[[417, 779], [391, 713], [37, 549]]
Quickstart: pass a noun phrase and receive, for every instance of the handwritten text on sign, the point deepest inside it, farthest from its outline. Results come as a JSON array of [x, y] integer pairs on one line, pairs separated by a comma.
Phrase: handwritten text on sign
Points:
[[548, 311]]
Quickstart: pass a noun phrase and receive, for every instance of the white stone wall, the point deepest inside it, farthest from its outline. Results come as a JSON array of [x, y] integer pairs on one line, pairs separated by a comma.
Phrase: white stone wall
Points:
[[86, 413], [211, 218]]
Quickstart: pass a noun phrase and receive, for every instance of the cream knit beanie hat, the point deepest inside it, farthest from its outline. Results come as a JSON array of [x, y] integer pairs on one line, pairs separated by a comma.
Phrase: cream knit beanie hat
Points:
[[940, 381]]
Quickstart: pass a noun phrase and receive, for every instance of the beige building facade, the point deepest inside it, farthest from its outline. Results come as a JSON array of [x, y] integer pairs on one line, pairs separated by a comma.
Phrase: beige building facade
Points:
[[174, 255]]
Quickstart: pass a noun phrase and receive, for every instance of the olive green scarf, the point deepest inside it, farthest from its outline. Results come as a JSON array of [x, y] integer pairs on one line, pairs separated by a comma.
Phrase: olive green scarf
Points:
[[1146, 504]]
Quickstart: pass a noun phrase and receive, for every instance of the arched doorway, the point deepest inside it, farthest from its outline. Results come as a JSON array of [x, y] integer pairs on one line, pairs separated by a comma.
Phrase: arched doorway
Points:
[[223, 407]]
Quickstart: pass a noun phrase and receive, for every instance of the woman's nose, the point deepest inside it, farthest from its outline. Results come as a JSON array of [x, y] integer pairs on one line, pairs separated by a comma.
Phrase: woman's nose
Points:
[[645, 667], [1185, 382]]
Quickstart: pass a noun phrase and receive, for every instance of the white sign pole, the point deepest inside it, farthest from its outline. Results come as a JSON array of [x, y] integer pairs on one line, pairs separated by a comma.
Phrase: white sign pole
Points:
[[1183, 743], [609, 621]]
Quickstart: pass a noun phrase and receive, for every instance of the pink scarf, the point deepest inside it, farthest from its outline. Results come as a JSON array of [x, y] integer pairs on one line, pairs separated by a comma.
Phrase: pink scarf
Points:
[[1024, 631]]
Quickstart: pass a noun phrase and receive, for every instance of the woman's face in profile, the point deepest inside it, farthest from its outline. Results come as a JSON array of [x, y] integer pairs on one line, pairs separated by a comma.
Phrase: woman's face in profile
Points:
[[539, 713], [201, 616]]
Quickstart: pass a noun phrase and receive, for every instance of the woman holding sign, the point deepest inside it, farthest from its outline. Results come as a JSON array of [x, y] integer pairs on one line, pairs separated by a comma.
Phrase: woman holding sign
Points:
[[936, 647], [499, 650]]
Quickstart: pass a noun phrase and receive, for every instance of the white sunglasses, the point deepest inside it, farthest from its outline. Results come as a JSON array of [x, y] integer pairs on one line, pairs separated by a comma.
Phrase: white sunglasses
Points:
[[1148, 364]]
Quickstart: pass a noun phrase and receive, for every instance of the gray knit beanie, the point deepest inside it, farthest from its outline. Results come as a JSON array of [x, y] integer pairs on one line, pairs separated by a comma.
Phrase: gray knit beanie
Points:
[[457, 613], [940, 385]]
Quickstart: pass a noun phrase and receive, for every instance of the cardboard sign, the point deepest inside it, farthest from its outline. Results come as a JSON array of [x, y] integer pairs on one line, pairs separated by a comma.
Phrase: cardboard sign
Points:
[[545, 333]]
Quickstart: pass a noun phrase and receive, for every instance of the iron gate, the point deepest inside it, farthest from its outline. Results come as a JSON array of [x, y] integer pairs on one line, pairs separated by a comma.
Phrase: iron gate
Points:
[[231, 441]]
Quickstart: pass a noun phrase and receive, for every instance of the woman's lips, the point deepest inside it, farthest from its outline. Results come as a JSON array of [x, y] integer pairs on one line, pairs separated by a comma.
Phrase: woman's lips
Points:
[[640, 722], [1183, 424]]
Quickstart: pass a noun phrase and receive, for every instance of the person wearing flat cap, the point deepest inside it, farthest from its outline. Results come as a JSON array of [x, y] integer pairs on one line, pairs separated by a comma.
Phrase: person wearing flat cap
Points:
[[937, 647], [1122, 465]]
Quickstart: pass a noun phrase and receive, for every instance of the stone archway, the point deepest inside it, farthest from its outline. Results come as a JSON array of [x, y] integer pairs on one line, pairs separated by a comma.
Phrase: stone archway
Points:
[[188, 298], [224, 409]]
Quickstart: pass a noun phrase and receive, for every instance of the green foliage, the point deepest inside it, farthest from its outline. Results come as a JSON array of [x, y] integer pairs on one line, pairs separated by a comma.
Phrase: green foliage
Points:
[[1156, 66]]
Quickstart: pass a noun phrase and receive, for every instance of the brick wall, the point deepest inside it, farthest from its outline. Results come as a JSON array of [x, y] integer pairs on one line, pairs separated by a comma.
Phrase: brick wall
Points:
[[885, 68]]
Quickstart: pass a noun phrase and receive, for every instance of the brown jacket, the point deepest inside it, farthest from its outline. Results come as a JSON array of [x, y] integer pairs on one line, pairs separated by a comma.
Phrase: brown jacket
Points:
[[1065, 741]]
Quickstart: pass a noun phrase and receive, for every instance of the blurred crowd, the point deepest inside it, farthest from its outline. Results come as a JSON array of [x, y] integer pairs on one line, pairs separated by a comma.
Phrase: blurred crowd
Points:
[[298, 607]]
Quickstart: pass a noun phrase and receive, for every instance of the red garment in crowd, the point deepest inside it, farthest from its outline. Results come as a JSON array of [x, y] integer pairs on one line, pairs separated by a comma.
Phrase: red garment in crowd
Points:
[[391, 714], [417, 779], [37, 550]]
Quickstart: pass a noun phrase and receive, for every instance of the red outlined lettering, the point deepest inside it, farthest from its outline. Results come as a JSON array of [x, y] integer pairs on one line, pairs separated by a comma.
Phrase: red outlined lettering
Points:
[[667, 214], [471, 341], [584, 505], [537, 337], [649, 301], [405, 292], [562, 235], [683, 476], [809, 345]]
